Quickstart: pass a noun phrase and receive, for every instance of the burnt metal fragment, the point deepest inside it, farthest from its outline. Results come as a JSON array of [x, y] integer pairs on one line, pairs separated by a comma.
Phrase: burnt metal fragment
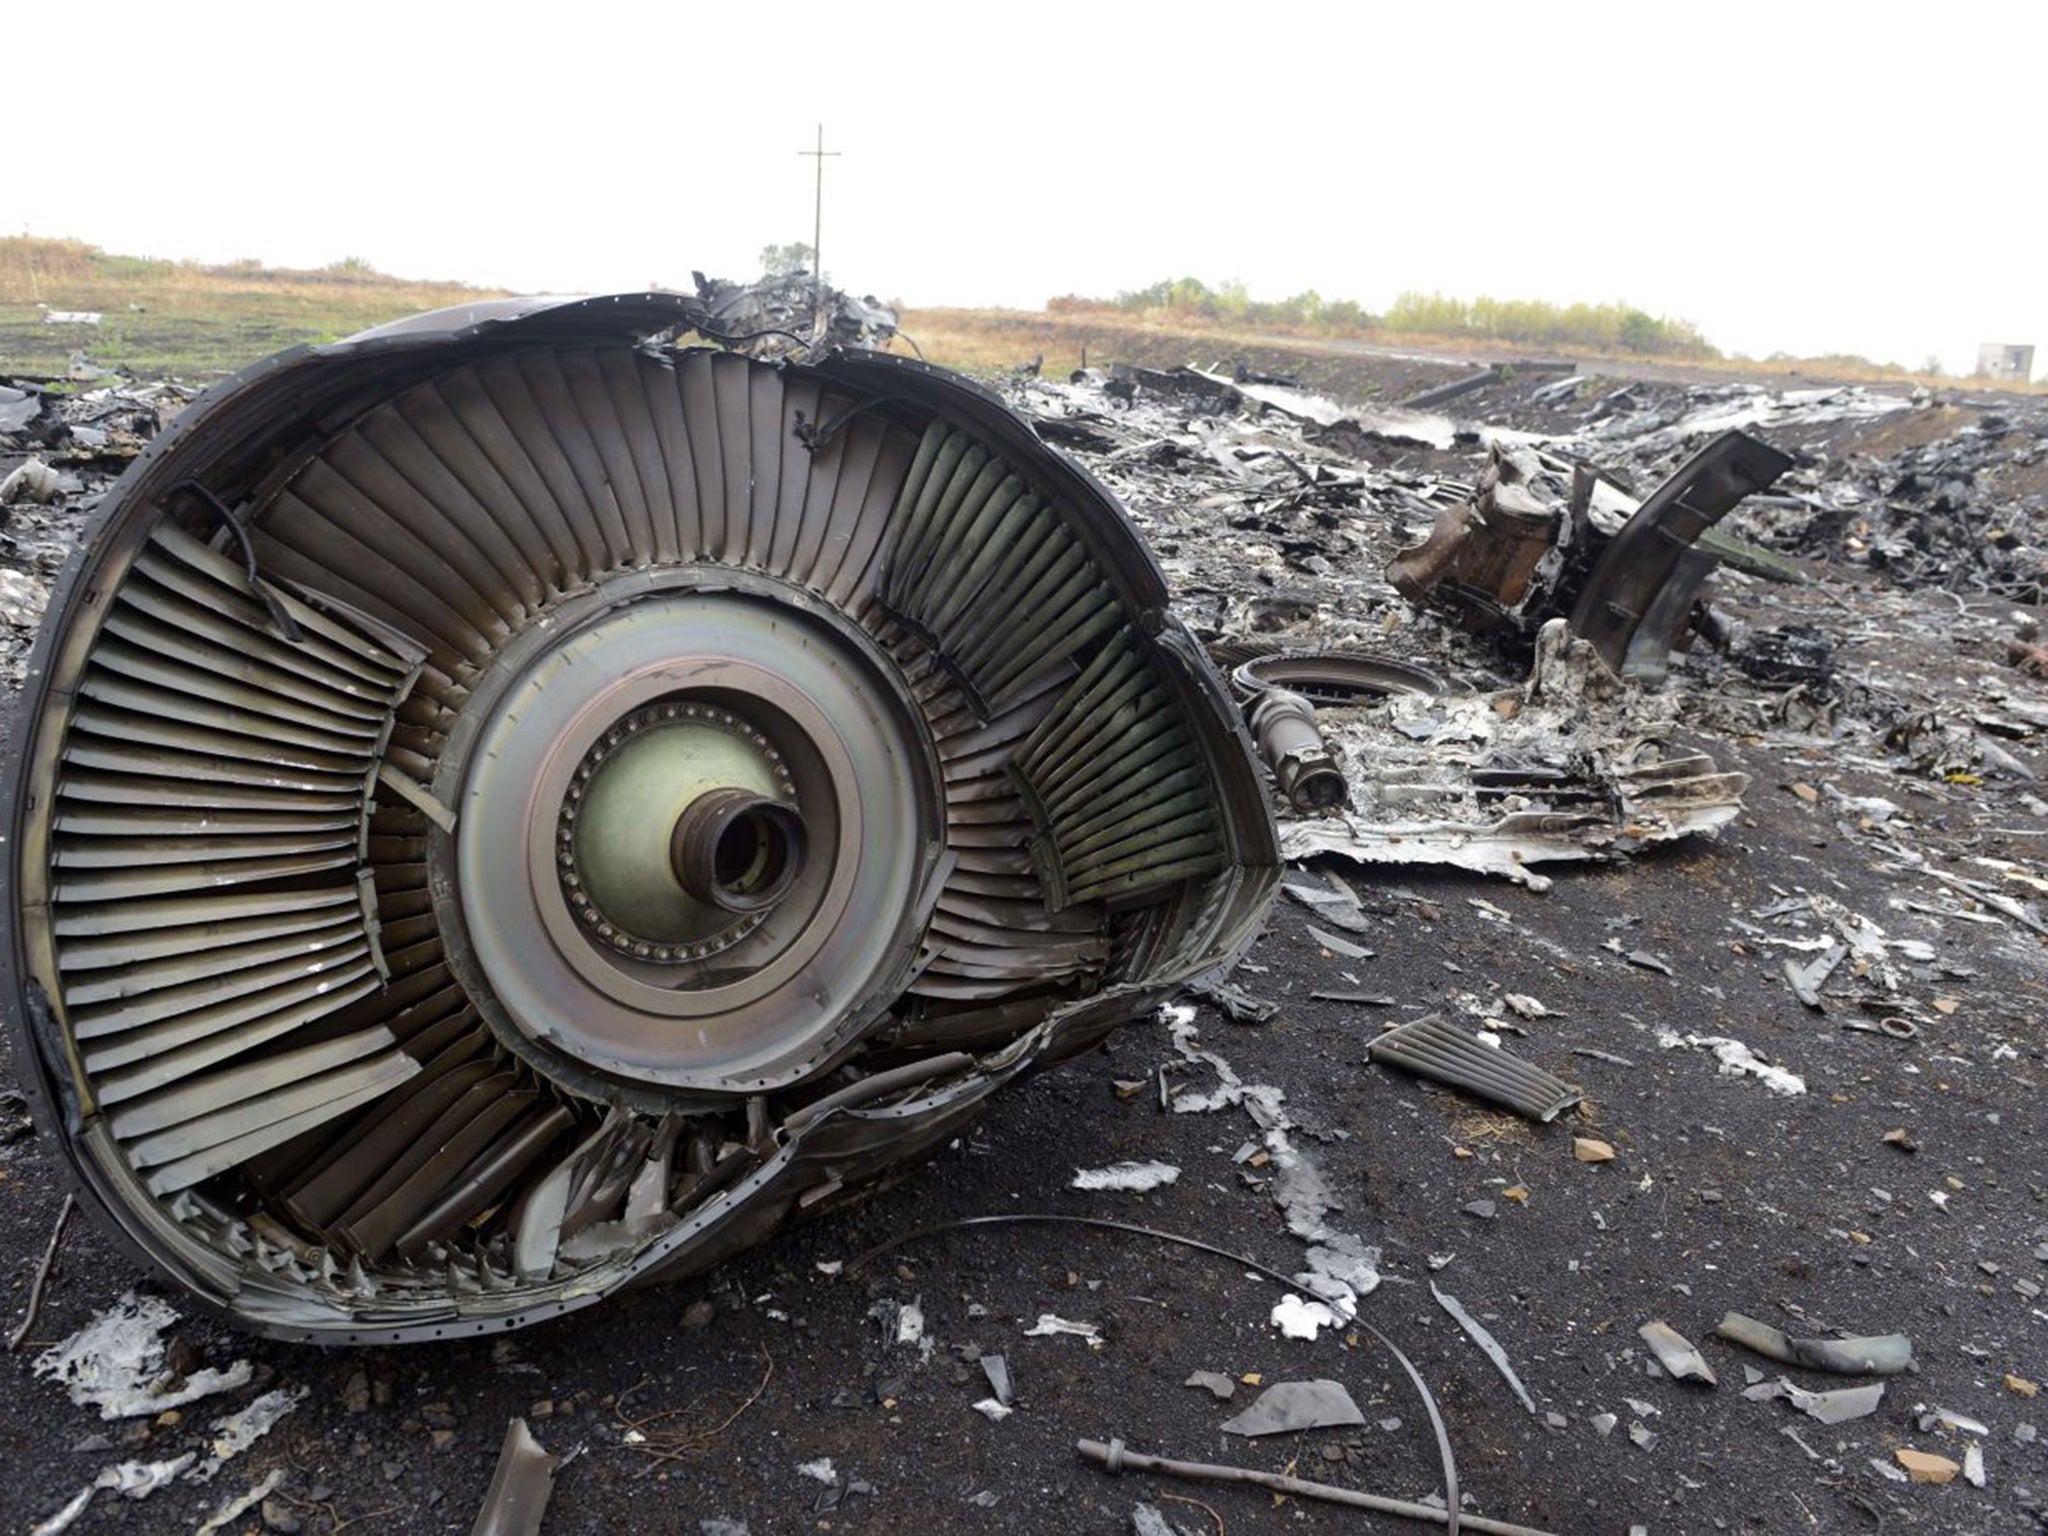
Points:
[[1306, 771], [1456, 389], [1792, 653], [1640, 595], [1281, 693], [518, 1496], [509, 805], [1540, 537], [1496, 559], [1878, 1355]]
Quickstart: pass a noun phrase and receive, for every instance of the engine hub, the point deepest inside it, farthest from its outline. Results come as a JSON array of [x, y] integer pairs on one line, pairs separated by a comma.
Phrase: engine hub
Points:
[[694, 834]]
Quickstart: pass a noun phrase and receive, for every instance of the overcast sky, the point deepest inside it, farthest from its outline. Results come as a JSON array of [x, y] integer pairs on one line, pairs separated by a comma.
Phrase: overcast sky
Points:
[[1798, 177]]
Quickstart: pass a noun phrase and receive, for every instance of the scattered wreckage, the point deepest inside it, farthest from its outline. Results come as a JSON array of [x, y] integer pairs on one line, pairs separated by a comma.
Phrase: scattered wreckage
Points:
[[367, 1002], [1551, 756], [505, 807]]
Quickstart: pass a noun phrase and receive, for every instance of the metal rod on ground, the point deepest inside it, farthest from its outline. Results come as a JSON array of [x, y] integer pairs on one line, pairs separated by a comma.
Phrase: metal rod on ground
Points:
[[1114, 1458], [1436, 1419], [35, 1290]]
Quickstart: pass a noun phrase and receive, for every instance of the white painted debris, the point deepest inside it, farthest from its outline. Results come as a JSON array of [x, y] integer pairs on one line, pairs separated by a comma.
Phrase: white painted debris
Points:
[[1675, 1352], [1050, 1325], [62, 1520], [74, 317], [1973, 1466], [1298, 1319], [1490, 1347], [240, 1505], [1836, 1407], [238, 1431], [1131, 1178], [130, 1479], [997, 1369], [995, 1412], [1528, 1007], [910, 1322], [1948, 1418], [115, 1363], [820, 1470], [33, 481], [1738, 1060], [1287, 1406]]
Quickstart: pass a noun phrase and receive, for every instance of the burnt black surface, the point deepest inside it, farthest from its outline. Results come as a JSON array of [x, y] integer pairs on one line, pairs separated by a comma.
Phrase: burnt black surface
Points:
[[1722, 1196]]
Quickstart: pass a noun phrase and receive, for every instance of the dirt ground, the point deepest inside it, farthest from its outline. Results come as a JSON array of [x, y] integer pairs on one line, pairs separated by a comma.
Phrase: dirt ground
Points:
[[702, 1402]]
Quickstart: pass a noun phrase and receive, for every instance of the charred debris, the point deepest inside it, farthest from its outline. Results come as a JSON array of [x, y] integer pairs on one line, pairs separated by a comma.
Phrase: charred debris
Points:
[[1150, 635]]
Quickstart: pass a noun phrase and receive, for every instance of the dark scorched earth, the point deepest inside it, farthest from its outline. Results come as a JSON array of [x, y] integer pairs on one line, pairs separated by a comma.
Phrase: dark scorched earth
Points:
[[1863, 1159]]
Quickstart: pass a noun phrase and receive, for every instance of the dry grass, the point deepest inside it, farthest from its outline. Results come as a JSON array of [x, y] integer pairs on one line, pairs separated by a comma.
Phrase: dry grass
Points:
[[1474, 1126], [179, 317], [201, 321], [991, 340]]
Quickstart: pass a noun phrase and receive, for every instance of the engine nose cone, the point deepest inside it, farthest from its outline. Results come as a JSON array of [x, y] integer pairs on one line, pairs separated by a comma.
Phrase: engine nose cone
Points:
[[622, 843]]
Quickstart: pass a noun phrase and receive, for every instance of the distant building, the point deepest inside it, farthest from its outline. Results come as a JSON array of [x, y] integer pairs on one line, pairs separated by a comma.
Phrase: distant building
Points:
[[2007, 364]]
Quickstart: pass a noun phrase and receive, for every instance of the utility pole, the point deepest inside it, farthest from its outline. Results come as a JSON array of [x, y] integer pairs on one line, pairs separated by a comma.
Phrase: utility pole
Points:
[[820, 155]]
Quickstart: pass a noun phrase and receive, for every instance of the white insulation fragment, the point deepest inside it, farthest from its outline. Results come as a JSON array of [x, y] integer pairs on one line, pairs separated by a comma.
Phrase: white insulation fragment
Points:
[[1738, 1060], [1298, 1319], [1050, 1325], [238, 1431], [240, 1505], [1131, 1178], [115, 1363], [63, 1519]]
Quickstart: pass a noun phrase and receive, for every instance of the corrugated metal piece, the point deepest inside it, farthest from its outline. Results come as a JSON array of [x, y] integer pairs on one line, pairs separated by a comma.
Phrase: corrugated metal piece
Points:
[[1434, 1047]]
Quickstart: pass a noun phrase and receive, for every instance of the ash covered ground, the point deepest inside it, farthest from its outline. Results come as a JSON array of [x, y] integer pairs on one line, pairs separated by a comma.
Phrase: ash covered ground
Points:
[[1891, 821]]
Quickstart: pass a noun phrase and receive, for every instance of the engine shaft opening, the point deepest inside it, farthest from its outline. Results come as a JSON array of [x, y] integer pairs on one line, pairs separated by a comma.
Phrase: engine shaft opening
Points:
[[737, 850]]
